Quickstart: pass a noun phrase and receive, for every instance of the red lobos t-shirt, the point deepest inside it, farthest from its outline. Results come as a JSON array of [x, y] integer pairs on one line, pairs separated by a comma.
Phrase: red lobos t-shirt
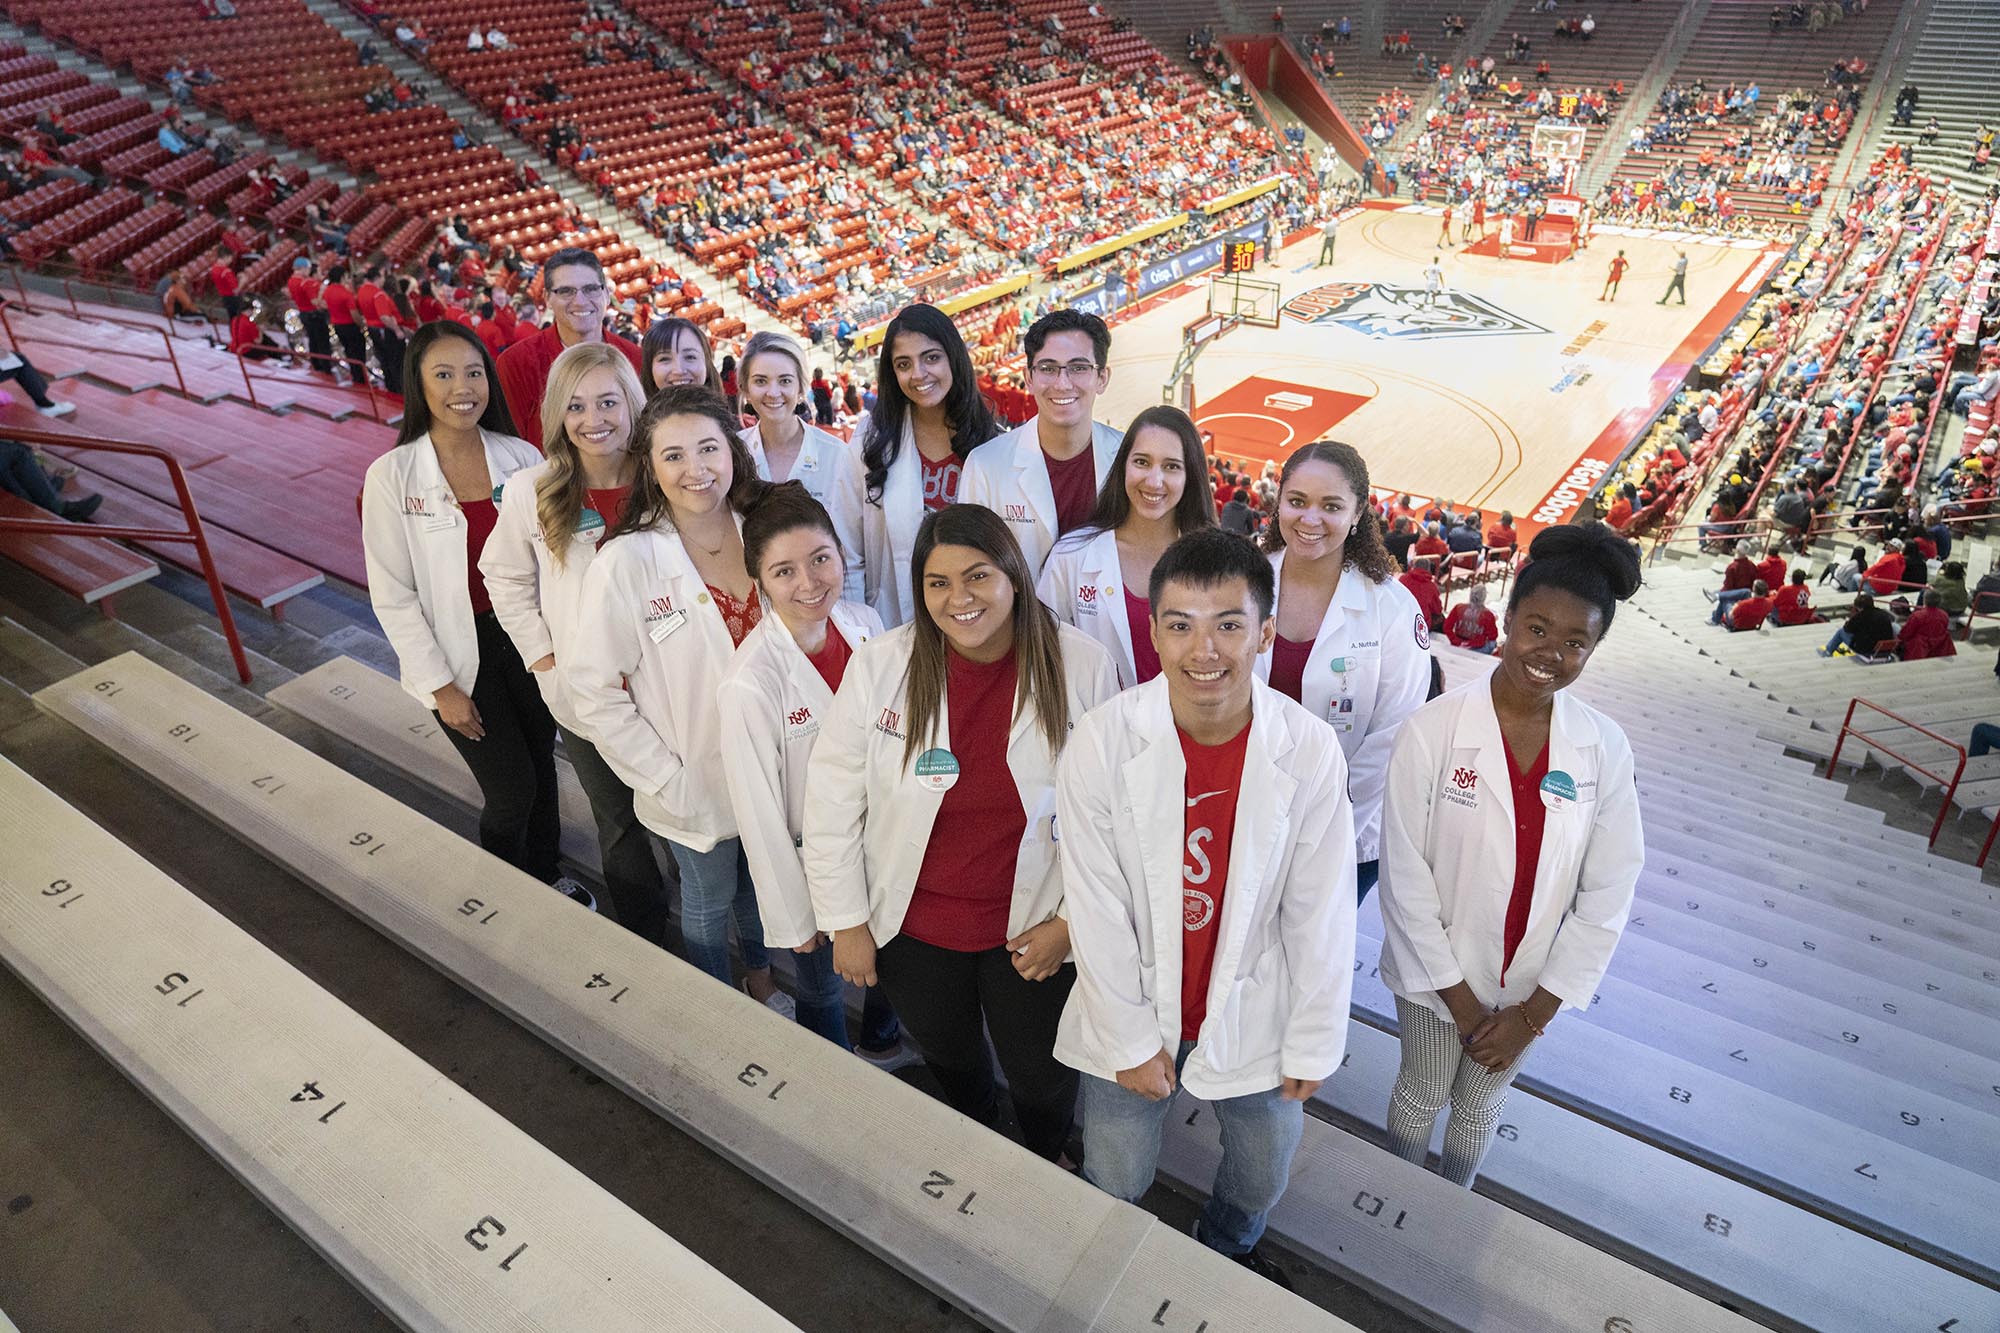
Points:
[[1214, 772]]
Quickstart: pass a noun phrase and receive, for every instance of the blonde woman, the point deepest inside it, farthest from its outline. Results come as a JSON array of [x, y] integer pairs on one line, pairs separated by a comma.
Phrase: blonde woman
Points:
[[786, 447], [553, 516]]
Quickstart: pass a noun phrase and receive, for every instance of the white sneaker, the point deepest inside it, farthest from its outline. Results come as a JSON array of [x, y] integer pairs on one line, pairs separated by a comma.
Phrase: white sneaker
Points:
[[779, 1003], [57, 409], [891, 1058]]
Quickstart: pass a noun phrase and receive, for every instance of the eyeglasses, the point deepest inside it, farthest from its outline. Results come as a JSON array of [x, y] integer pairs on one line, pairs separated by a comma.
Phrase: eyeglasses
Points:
[[589, 293], [1049, 372]]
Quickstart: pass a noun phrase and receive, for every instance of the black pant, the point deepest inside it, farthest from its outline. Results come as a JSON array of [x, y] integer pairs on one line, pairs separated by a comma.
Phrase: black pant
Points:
[[941, 996], [30, 379], [389, 355], [319, 339], [356, 350], [631, 873], [515, 762]]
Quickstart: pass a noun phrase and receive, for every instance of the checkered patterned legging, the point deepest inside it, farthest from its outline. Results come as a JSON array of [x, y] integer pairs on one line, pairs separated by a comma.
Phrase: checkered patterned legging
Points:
[[1436, 1070]]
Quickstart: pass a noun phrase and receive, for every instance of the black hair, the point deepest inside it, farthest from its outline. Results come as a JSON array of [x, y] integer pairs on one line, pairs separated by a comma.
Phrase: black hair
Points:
[[1363, 549], [569, 255], [1196, 508], [1590, 561], [787, 505], [1070, 321], [1208, 556], [232, 306], [661, 338], [417, 409], [966, 410]]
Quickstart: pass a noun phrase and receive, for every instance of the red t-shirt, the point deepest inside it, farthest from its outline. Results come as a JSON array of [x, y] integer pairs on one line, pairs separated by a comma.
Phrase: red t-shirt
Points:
[[368, 298], [1772, 570], [1288, 667], [493, 336], [1139, 618], [965, 887], [339, 303], [243, 332], [304, 292], [1530, 816], [831, 659], [609, 503], [224, 279], [1749, 613], [940, 480], [480, 516], [1792, 604], [1074, 481], [1213, 774]]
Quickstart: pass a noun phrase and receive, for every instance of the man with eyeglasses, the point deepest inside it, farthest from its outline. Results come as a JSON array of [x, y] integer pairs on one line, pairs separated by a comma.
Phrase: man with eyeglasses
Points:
[[573, 281], [1042, 476]]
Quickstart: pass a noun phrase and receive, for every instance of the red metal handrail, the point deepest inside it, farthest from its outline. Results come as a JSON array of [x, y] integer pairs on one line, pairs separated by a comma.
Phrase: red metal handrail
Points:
[[194, 533], [15, 340], [1847, 728]]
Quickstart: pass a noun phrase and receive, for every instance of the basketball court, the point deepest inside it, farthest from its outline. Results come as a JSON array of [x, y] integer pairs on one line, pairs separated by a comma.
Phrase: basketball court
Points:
[[1505, 390]]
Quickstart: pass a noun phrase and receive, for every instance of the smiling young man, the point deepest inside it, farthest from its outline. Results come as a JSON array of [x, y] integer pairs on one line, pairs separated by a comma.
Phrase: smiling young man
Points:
[[1209, 881], [1042, 476], [578, 296]]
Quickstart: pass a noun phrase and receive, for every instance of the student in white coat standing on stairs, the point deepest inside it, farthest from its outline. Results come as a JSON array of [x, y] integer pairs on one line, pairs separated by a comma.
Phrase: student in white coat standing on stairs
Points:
[[427, 508], [1352, 645], [1042, 477], [930, 831], [553, 516], [1511, 845], [928, 418], [1096, 578], [787, 447], [1210, 895], [773, 702], [665, 604]]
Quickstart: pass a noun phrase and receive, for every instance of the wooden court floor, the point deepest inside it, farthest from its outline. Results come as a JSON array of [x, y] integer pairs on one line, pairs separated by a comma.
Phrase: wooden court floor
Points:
[[1513, 386]]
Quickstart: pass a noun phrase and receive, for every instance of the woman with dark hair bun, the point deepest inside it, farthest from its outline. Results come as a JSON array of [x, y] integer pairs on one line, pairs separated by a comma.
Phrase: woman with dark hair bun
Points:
[[928, 417], [1353, 646], [1510, 848]]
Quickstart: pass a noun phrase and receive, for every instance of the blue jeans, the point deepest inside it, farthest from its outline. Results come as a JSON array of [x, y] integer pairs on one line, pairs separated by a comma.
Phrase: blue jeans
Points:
[[1725, 600], [714, 885], [1365, 875], [1985, 737], [1260, 1133], [1841, 639], [821, 1004]]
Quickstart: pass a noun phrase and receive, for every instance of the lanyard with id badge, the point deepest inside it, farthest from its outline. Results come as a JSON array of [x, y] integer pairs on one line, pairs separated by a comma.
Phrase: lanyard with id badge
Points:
[[1340, 709]]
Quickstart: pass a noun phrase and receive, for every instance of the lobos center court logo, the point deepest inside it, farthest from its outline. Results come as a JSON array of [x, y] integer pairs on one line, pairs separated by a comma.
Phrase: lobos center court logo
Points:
[[1403, 314]]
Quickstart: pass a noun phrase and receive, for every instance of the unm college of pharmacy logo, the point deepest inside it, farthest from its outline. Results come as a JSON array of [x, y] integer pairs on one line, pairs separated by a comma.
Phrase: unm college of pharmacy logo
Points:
[[1384, 310]]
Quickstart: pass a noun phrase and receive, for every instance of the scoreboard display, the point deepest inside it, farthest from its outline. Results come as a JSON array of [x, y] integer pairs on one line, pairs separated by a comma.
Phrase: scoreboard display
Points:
[[1240, 257]]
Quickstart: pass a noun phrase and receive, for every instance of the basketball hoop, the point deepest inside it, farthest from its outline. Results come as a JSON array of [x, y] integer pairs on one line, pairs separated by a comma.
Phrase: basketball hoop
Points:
[[1196, 334], [1561, 146]]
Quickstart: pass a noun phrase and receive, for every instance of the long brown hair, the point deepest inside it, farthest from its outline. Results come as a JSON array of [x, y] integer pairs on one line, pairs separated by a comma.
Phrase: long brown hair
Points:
[[661, 336], [559, 494], [1037, 644], [1196, 508], [648, 507], [1363, 549]]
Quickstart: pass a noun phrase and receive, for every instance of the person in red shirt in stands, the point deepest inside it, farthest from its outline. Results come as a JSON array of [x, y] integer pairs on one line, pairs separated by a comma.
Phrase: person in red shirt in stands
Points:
[[223, 278], [1432, 543], [1927, 633], [1737, 580], [303, 288], [1771, 568], [1620, 512], [1501, 537], [384, 324], [573, 281], [1887, 571], [1202, 752], [1792, 604], [1423, 586], [246, 338], [426, 303], [1751, 612], [340, 302], [489, 329], [1472, 625]]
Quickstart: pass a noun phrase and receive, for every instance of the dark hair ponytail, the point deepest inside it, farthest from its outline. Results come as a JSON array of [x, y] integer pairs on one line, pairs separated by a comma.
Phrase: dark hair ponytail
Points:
[[1587, 560], [784, 506]]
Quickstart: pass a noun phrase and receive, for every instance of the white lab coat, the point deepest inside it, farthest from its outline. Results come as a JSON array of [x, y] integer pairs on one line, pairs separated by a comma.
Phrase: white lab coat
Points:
[[772, 705], [889, 524], [830, 470], [1084, 584], [1009, 474], [869, 821], [1448, 855], [537, 600], [1378, 633], [1284, 959], [651, 649], [413, 539]]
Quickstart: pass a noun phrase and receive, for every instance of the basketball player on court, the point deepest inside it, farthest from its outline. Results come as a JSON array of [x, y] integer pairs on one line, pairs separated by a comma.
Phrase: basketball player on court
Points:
[[1475, 219], [1618, 266], [1444, 225], [1506, 234], [1433, 282]]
